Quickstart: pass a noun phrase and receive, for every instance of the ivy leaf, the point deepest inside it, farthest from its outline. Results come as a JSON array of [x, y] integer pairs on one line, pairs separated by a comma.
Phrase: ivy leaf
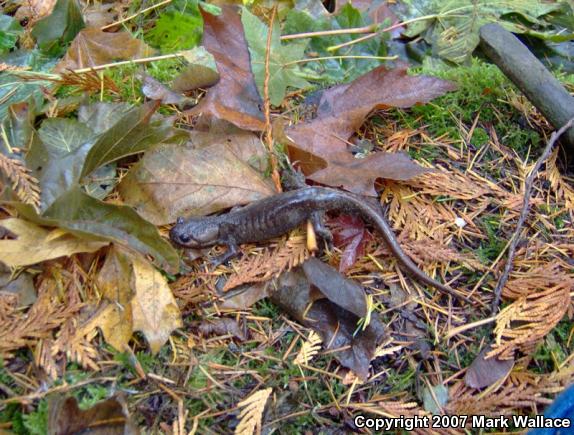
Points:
[[175, 31], [453, 32], [56, 157], [9, 31], [60, 27], [283, 71], [337, 70]]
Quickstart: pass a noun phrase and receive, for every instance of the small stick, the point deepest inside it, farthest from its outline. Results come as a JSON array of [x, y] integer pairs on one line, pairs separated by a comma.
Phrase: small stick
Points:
[[143, 11], [267, 105], [524, 212]]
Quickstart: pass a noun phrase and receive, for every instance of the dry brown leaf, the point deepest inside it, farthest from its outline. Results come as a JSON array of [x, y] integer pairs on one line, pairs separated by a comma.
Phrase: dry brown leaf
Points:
[[92, 47], [33, 244], [341, 111], [208, 174], [108, 417], [252, 413], [35, 9], [235, 97]]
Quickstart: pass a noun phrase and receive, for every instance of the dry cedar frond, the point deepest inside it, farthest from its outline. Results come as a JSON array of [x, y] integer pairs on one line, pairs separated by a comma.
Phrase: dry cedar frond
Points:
[[271, 263], [11, 68], [452, 183], [560, 187], [542, 297], [430, 251], [310, 348], [90, 82], [39, 322], [75, 343], [521, 389], [252, 413], [24, 185]]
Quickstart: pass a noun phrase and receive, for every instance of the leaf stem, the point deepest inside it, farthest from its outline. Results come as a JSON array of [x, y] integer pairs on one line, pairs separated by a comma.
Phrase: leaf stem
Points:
[[317, 59], [267, 106]]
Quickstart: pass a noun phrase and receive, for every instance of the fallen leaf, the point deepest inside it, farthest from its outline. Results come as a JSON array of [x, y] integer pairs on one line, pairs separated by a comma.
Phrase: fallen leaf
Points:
[[56, 157], [20, 286], [60, 26], [207, 175], [338, 327], [155, 90], [101, 116], [283, 69], [485, 372], [243, 297], [81, 214], [140, 300], [302, 19], [221, 326], [235, 97], [154, 310], [107, 417], [131, 134], [434, 398], [454, 35], [33, 244], [350, 234], [200, 73], [93, 47], [341, 111]]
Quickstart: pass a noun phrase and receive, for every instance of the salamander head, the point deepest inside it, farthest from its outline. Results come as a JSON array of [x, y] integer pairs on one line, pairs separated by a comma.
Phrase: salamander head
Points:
[[195, 232]]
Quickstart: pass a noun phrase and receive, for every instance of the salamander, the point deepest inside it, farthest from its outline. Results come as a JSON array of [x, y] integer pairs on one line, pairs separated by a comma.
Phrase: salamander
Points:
[[277, 214]]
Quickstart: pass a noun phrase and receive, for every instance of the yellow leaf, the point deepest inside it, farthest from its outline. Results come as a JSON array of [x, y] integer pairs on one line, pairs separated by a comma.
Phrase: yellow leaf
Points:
[[141, 301], [33, 244], [154, 310]]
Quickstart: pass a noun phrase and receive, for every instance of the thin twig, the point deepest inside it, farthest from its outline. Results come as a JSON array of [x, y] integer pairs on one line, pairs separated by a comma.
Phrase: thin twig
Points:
[[317, 59], [524, 212], [267, 104], [143, 11], [128, 62]]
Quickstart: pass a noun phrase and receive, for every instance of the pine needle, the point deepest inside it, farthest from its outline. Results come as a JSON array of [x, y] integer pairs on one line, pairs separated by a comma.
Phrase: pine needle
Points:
[[252, 413]]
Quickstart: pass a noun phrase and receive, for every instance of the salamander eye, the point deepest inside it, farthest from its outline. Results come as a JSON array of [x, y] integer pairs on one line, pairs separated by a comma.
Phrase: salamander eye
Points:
[[179, 221], [184, 238]]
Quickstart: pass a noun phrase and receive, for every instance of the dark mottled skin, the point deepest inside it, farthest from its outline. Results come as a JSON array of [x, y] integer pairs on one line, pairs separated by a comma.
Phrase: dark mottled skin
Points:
[[278, 214]]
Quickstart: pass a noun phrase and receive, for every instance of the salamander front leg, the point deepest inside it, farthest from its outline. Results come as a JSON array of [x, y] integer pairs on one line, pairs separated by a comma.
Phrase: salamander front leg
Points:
[[232, 251]]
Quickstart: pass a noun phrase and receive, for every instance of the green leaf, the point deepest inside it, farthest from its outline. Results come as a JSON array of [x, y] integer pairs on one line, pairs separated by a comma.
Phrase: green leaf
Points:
[[175, 31], [131, 134], [83, 215], [9, 30], [14, 90], [200, 73], [101, 116], [60, 27], [283, 72], [452, 26], [337, 70], [56, 157]]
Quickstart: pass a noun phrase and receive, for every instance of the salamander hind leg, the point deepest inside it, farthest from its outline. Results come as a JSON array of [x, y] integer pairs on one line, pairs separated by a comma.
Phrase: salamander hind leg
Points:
[[318, 220]]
